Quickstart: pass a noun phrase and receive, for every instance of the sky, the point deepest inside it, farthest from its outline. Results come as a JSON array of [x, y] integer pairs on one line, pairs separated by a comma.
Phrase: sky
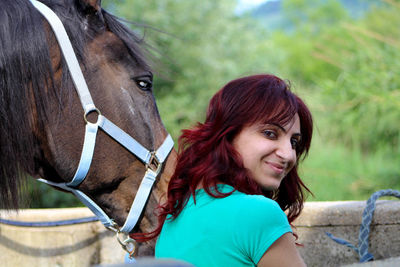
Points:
[[244, 5]]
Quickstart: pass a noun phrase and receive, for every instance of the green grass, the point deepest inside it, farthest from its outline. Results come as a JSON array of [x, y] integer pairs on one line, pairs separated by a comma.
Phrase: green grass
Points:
[[333, 171]]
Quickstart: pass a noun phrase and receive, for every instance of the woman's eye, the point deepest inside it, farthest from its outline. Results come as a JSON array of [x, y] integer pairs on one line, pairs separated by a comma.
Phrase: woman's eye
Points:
[[270, 134], [144, 85], [294, 142]]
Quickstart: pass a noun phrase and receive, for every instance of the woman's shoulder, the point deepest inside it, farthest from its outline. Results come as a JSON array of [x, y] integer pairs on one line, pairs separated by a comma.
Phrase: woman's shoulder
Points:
[[259, 221], [254, 202], [251, 209], [237, 203]]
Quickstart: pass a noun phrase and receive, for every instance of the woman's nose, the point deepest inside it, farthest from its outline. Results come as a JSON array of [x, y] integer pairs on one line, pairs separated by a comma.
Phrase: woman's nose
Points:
[[286, 151]]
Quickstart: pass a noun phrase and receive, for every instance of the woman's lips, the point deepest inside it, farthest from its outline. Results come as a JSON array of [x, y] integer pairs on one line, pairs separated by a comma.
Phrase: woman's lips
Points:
[[276, 167]]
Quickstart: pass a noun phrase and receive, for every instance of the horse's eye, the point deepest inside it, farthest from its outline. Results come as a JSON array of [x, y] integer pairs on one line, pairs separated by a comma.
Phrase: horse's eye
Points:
[[145, 85]]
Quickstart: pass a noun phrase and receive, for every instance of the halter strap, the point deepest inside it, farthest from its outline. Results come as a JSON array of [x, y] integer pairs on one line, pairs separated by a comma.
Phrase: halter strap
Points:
[[69, 55], [152, 160], [138, 203]]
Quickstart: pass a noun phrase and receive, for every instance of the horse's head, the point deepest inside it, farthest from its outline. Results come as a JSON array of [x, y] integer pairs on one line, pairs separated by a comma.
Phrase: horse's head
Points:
[[43, 126]]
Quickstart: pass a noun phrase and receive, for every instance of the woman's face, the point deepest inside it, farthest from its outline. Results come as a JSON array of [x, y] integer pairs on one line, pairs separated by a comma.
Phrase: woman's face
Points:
[[269, 151]]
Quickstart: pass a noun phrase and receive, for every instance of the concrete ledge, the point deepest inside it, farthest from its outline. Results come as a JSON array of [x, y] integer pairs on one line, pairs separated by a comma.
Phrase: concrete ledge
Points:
[[75, 245], [90, 243], [391, 262], [347, 213], [343, 219]]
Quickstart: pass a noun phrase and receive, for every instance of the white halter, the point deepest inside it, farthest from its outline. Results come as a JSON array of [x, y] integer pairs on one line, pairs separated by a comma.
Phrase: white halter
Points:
[[153, 160]]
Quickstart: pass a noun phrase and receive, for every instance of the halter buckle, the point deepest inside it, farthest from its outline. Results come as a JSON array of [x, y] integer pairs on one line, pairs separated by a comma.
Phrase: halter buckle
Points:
[[154, 163]]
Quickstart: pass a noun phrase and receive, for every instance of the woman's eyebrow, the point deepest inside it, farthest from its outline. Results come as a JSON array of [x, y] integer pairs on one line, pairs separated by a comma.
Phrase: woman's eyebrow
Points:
[[283, 129], [298, 135], [278, 125]]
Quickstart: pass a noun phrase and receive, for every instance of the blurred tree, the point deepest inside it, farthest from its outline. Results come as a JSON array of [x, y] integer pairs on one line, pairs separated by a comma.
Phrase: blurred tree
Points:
[[350, 64], [313, 16], [45, 196], [364, 99], [200, 45], [351, 67]]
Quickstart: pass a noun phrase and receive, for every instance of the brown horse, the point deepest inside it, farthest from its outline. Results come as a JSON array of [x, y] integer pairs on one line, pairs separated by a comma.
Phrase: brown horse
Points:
[[42, 126]]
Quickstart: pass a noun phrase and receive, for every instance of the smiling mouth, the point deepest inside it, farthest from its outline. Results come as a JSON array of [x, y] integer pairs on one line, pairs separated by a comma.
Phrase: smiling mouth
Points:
[[277, 168]]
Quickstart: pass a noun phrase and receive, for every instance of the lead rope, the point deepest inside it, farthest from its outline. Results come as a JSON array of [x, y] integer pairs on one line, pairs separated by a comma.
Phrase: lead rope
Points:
[[49, 224], [367, 216]]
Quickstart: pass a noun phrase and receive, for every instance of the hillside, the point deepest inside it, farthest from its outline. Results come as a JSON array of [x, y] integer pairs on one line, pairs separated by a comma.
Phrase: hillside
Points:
[[272, 14]]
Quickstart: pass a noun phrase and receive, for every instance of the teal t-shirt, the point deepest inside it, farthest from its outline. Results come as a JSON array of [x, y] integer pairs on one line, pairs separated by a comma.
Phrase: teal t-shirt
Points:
[[231, 231]]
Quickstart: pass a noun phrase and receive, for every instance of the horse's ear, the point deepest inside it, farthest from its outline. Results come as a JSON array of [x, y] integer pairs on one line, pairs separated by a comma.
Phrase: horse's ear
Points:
[[92, 4]]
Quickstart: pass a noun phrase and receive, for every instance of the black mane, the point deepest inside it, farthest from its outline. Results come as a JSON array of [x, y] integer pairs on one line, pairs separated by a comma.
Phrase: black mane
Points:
[[27, 84]]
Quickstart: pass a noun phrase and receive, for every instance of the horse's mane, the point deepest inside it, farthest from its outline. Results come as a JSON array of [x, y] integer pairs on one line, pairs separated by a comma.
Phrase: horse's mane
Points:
[[27, 83]]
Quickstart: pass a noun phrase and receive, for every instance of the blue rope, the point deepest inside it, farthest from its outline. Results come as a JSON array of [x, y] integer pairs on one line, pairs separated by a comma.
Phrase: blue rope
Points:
[[49, 224], [363, 236]]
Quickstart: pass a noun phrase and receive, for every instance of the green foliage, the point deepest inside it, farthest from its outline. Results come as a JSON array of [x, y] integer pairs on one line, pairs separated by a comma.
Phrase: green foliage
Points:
[[351, 70], [200, 45], [333, 172], [367, 89], [313, 16], [40, 195]]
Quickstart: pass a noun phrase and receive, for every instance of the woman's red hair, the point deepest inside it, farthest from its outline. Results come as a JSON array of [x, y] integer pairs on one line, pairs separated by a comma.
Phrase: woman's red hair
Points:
[[207, 157]]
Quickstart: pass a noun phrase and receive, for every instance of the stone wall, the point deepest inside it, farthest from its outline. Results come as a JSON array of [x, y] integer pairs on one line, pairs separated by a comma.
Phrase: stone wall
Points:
[[343, 219], [75, 245], [90, 243]]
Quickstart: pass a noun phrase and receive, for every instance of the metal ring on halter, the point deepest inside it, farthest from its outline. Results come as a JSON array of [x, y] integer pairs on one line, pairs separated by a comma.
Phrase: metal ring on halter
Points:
[[129, 244], [90, 111], [113, 227]]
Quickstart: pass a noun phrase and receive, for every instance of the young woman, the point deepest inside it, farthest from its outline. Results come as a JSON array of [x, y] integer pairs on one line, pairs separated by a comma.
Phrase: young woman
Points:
[[236, 173]]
